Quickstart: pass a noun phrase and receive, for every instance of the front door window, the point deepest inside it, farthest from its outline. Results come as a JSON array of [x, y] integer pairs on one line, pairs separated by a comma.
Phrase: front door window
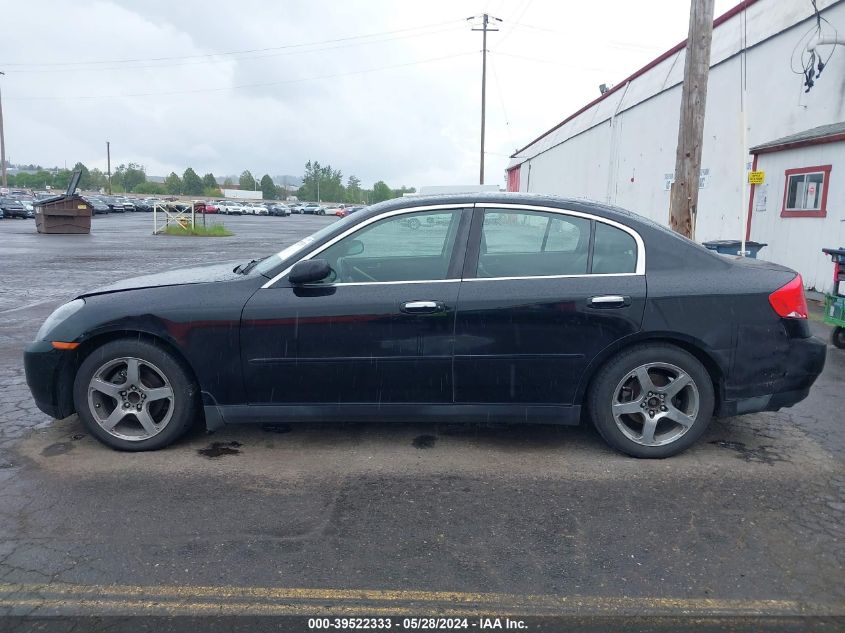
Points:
[[406, 247]]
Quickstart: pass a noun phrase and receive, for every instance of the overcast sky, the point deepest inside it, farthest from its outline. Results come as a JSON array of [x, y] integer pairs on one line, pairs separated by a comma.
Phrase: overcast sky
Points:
[[383, 89]]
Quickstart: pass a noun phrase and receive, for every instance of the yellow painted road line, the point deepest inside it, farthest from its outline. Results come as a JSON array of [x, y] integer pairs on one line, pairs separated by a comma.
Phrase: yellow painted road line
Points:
[[281, 600]]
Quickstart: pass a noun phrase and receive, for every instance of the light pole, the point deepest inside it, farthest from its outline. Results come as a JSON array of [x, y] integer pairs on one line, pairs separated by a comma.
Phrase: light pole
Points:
[[2, 144]]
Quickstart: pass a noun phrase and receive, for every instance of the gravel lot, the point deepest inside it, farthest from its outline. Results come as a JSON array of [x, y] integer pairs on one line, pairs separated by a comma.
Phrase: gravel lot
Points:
[[749, 521]]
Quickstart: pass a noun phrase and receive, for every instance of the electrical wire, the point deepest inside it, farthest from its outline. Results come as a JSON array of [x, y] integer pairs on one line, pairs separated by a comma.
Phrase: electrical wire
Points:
[[193, 62], [241, 86], [227, 53], [811, 64]]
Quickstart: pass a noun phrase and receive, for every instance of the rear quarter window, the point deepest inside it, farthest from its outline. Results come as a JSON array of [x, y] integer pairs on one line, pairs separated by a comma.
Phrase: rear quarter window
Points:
[[614, 250]]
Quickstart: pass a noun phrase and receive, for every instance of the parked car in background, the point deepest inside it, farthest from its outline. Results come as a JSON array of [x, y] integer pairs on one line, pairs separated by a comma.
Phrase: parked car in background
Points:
[[313, 208], [98, 207], [232, 208], [279, 209], [206, 206], [115, 204], [28, 203], [128, 204], [143, 204], [258, 209], [14, 208]]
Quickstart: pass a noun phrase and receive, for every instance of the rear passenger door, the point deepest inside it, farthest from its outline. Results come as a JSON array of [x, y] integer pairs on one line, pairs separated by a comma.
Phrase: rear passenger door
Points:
[[543, 292]]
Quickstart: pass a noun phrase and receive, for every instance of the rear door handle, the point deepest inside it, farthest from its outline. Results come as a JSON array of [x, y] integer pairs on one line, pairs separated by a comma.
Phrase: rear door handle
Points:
[[422, 307], [609, 301]]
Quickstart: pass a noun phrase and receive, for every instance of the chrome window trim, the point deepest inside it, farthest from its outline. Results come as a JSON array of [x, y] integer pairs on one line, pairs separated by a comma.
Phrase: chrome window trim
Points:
[[638, 271], [358, 227], [583, 275]]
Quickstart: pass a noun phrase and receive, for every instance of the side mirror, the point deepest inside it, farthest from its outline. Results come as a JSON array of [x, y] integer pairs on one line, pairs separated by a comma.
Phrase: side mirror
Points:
[[309, 271], [353, 247]]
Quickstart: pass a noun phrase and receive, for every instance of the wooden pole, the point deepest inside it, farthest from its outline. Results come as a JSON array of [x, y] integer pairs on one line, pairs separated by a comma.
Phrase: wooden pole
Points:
[[683, 198], [3, 180], [108, 163]]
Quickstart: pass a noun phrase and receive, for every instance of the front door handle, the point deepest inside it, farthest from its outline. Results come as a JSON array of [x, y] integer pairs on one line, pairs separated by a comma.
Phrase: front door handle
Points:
[[609, 301], [422, 307]]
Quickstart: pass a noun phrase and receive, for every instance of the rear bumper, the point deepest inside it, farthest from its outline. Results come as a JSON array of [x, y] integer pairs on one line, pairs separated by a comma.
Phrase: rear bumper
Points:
[[805, 360], [43, 366]]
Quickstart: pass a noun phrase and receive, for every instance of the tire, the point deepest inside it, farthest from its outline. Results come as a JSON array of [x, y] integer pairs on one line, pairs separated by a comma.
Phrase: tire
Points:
[[653, 430], [165, 393], [838, 337]]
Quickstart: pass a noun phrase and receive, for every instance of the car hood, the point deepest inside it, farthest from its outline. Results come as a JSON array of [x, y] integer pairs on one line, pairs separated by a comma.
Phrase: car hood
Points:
[[209, 273]]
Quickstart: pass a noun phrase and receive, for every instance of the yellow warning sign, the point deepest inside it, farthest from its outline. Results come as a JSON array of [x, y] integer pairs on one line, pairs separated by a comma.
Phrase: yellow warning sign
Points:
[[756, 177]]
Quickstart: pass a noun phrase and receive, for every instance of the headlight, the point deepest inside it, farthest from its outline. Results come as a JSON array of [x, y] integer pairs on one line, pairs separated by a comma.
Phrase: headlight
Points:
[[60, 314]]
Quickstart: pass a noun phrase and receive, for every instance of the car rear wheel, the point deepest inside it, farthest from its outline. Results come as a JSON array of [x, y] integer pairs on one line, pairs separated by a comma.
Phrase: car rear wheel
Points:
[[838, 337], [134, 396], [652, 401]]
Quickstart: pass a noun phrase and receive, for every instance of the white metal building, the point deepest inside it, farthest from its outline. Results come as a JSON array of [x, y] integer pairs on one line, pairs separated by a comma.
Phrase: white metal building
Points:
[[620, 148]]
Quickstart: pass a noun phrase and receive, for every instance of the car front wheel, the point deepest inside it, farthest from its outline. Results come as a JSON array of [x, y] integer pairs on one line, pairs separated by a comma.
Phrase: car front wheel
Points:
[[652, 401], [135, 396]]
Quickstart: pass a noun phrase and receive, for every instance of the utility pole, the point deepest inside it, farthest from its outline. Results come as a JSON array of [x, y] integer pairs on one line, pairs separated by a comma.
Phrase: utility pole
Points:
[[485, 26], [3, 180], [683, 198], [108, 163]]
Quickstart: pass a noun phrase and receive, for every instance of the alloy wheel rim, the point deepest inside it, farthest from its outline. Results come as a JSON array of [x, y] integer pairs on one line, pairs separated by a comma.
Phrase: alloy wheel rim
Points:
[[655, 404], [130, 399]]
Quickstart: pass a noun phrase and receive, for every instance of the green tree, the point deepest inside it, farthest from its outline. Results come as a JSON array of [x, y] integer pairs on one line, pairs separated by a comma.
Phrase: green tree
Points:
[[321, 183], [398, 193], [150, 188], [173, 184], [191, 183], [84, 177], [127, 177], [353, 190], [227, 183], [246, 181], [268, 188], [209, 182], [381, 192], [98, 179]]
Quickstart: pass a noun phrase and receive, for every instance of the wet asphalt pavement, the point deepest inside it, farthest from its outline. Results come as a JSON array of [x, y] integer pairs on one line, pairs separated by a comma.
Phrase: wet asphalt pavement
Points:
[[515, 519]]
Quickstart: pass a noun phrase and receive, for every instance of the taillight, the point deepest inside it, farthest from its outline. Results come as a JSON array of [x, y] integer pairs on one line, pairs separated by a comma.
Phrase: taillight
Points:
[[789, 301]]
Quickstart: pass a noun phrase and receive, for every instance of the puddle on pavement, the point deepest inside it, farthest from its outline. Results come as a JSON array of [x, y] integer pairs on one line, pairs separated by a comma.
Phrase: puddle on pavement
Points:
[[218, 449], [59, 448], [424, 441], [759, 454]]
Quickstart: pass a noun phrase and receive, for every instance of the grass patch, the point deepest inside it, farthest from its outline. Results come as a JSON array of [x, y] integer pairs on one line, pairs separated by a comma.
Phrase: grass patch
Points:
[[212, 230]]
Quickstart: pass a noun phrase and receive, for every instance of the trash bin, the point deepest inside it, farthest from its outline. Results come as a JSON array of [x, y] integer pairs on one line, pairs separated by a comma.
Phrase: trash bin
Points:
[[732, 247], [69, 213]]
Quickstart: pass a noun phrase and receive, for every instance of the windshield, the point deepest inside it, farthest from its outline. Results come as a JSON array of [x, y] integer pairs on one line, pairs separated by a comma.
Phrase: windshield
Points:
[[269, 263]]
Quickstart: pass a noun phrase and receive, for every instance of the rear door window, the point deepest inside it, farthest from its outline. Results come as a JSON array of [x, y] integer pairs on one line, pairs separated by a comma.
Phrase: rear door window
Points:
[[516, 243]]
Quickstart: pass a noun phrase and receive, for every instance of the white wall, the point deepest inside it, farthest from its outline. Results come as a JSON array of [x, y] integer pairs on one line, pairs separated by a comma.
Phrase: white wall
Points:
[[623, 159], [797, 242]]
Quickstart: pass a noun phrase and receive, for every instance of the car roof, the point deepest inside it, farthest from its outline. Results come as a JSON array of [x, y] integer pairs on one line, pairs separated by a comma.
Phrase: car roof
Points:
[[491, 199]]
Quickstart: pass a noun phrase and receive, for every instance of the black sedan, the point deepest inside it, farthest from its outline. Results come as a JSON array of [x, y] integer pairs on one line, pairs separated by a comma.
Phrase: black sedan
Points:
[[494, 307]]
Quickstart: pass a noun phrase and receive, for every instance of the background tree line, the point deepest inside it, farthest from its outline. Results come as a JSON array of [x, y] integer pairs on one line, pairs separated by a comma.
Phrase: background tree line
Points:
[[323, 183], [320, 183]]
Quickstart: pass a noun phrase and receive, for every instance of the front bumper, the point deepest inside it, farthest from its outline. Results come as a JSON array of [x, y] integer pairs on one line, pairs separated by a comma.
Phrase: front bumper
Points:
[[804, 362], [45, 369]]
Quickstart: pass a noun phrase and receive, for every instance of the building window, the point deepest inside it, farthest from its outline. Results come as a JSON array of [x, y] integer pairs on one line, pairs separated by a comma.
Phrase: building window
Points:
[[805, 192]]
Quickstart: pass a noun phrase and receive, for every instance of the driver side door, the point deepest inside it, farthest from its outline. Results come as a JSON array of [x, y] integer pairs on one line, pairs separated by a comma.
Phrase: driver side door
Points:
[[379, 330]]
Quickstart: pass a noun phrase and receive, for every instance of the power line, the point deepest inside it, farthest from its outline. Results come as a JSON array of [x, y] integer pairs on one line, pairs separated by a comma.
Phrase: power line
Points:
[[226, 53], [241, 86], [282, 53]]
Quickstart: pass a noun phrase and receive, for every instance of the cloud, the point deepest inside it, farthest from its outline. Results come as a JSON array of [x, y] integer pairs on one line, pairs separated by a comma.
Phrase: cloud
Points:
[[401, 106]]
